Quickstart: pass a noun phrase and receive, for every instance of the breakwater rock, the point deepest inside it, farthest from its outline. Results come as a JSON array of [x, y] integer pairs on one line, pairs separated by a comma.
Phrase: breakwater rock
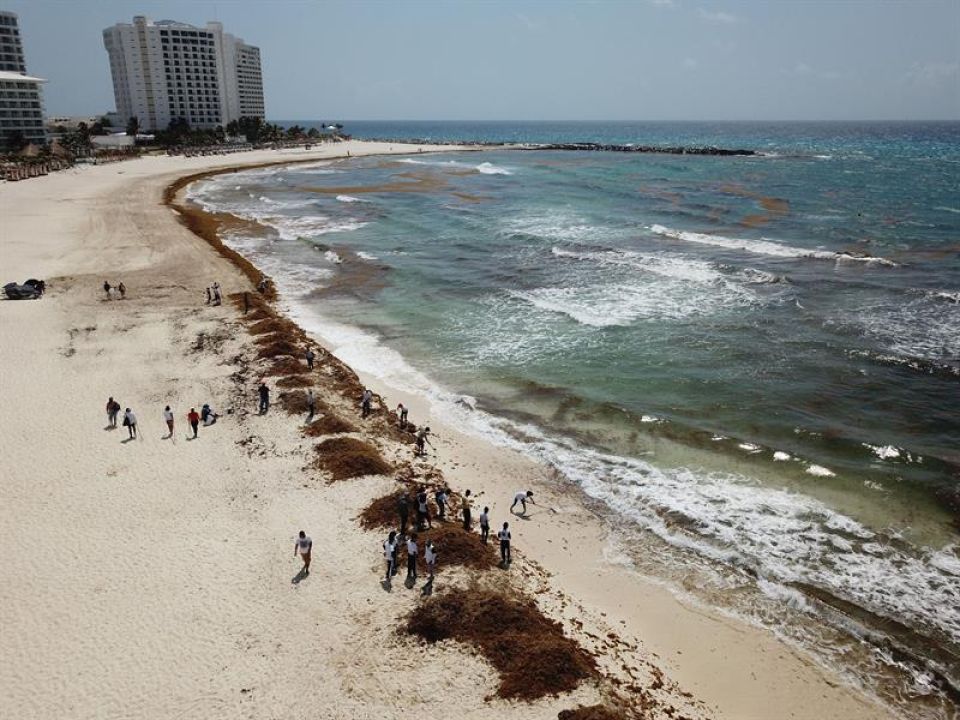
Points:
[[603, 147]]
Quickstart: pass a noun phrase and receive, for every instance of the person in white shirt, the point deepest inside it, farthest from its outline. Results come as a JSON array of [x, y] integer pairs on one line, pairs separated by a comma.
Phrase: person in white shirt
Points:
[[523, 498], [485, 525], [430, 557], [168, 418], [130, 420], [304, 546], [390, 554], [412, 551], [504, 536]]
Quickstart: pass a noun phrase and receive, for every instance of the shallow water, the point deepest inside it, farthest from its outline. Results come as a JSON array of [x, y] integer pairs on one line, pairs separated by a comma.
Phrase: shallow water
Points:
[[754, 362]]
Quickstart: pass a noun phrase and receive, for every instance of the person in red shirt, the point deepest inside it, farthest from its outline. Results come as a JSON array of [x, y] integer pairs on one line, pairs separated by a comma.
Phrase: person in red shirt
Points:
[[194, 419]]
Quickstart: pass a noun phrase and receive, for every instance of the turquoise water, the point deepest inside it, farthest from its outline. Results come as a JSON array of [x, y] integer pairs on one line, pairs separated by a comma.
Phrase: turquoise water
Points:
[[756, 360]]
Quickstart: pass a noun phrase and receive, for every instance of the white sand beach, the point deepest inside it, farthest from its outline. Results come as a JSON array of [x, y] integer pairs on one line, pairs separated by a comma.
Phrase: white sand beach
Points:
[[152, 578]]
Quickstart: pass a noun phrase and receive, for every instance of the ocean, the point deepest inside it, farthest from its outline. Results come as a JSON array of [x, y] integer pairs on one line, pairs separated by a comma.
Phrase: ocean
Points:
[[753, 362]]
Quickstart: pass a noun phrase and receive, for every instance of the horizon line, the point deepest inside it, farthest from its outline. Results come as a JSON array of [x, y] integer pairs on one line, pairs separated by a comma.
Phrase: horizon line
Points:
[[501, 120]]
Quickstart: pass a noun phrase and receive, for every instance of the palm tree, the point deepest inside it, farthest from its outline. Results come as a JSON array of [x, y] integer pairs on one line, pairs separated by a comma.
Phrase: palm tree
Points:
[[15, 141], [133, 125]]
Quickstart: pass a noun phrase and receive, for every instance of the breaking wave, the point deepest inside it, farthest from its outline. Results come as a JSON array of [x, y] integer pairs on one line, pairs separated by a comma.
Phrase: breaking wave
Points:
[[764, 247]]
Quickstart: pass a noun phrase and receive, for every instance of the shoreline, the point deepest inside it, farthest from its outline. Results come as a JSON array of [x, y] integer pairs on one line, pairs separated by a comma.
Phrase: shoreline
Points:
[[595, 593], [567, 489]]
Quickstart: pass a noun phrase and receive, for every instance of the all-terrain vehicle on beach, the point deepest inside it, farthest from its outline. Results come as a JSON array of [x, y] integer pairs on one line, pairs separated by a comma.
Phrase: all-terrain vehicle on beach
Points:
[[30, 290]]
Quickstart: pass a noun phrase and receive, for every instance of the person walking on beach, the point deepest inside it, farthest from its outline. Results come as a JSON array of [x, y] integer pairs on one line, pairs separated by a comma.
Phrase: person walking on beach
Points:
[[365, 403], [310, 356], [504, 537], [403, 510], [485, 525], [412, 551], [123, 291], [523, 498], [390, 554], [209, 297], [264, 393], [402, 412], [130, 421], [311, 405], [106, 288], [168, 419], [442, 503], [304, 546], [246, 302], [422, 439], [194, 419], [217, 298], [430, 557], [466, 509], [113, 409]]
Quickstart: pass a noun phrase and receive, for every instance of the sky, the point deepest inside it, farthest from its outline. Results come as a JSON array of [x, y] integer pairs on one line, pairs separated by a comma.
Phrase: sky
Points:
[[538, 60]]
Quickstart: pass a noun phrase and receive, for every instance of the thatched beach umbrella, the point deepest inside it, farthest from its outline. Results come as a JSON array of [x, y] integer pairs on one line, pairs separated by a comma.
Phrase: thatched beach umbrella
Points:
[[58, 150]]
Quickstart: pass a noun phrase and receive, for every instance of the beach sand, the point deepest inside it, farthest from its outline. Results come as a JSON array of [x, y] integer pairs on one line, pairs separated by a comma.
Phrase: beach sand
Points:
[[152, 578]]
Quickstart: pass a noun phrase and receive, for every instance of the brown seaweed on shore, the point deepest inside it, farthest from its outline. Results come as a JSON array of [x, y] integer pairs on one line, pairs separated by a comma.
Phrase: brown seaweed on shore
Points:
[[278, 346], [592, 712], [456, 546], [294, 402], [382, 513], [529, 651], [329, 424], [284, 365], [294, 381], [271, 325], [346, 458], [207, 226]]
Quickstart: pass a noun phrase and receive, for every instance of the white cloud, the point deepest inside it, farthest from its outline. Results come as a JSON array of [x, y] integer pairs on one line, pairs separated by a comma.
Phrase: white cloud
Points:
[[802, 69], [524, 20], [689, 63], [662, 3], [718, 17], [933, 74]]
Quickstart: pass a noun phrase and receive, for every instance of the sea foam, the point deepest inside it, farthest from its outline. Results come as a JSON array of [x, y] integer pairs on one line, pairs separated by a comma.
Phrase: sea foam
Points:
[[763, 247]]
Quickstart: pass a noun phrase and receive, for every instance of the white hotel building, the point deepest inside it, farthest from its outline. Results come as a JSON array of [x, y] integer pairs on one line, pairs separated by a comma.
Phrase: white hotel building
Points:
[[166, 70], [21, 102]]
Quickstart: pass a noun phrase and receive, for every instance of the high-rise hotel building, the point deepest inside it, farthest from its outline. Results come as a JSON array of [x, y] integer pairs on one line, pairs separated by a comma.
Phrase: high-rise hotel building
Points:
[[21, 104], [166, 70]]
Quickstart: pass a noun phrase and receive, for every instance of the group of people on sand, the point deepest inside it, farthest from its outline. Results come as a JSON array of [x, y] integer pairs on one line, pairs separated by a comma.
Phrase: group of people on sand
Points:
[[419, 501], [112, 290], [391, 549], [207, 416], [213, 294], [422, 434]]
